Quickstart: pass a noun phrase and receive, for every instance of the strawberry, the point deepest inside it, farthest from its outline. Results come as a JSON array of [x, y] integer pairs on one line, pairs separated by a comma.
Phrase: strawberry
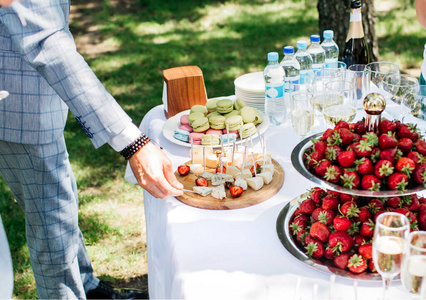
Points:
[[313, 247], [183, 170], [325, 216], [397, 181], [236, 191], [387, 140], [363, 148], [333, 174], [359, 240], [300, 236], [317, 194], [375, 153], [367, 228], [347, 197], [375, 205], [332, 152], [223, 169], [329, 253], [366, 250], [307, 206], [341, 124], [201, 181], [371, 266], [341, 241], [341, 261], [364, 166], [346, 136], [357, 264], [346, 159], [326, 134], [360, 127], [416, 157], [409, 214], [371, 138], [301, 218], [322, 166], [296, 227], [386, 126], [421, 147], [405, 145], [394, 202], [313, 159], [349, 209], [341, 223], [350, 179], [371, 183], [334, 194], [383, 168], [258, 169], [351, 147], [319, 146], [390, 154], [422, 219], [378, 213], [330, 203], [405, 165], [363, 215], [319, 231], [411, 202], [419, 174], [408, 131]]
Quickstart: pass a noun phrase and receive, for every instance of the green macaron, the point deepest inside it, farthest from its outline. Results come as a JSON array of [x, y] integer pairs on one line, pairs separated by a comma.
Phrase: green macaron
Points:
[[247, 130], [195, 116], [239, 103], [232, 113], [224, 106], [200, 125], [212, 114], [217, 122], [234, 122], [198, 108], [258, 119], [211, 105], [248, 113]]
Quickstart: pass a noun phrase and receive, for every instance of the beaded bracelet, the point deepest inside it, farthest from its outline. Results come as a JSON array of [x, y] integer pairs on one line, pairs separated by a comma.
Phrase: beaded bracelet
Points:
[[134, 147]]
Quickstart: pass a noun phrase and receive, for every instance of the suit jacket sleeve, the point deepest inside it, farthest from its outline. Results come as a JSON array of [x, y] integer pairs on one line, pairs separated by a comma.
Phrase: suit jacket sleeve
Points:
[[47, 45]]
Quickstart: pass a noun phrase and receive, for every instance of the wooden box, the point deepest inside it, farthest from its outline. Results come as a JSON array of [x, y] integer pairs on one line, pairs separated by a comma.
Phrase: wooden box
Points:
[[183, 88]]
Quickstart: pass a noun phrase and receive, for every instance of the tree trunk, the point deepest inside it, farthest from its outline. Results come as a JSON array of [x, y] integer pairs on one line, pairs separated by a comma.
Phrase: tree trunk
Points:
[[334, 15]]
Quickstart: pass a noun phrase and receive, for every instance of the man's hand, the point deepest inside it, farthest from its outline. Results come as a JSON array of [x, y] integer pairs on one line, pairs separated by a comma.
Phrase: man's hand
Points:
[[154, 172]]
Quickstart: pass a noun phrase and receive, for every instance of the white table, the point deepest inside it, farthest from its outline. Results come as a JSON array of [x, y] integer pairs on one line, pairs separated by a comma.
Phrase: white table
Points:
[[235, 254]]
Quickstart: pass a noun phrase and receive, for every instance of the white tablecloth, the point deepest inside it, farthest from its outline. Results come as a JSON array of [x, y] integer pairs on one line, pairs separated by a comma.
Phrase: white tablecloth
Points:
[[236, 254]]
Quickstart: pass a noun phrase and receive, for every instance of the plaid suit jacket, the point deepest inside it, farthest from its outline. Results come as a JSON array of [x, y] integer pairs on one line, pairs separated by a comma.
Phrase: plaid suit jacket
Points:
[[45, 75]]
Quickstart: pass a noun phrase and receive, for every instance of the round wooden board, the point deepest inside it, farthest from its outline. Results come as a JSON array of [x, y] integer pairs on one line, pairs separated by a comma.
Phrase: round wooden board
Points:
[[248, 198]]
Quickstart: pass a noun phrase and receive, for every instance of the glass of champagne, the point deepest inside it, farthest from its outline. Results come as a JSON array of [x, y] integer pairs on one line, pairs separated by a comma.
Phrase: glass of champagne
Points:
[[389, 245], [340, 102], [374, 73], [302, 113], [356, 75], [414, 264]]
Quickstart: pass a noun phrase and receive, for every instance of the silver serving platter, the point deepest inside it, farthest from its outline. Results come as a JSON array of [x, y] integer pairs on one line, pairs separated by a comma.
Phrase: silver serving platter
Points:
[[297, 161], [283, 231]]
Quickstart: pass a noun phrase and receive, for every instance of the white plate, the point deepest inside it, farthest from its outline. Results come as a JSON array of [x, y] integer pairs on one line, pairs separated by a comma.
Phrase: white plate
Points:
[[174, 123], [251, 82]]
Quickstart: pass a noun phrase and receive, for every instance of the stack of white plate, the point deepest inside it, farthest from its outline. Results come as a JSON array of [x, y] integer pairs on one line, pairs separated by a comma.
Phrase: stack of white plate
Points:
[[251, 88]]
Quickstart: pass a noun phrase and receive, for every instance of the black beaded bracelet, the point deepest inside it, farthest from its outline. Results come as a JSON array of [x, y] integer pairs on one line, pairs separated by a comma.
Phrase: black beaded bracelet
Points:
[[134, 147]]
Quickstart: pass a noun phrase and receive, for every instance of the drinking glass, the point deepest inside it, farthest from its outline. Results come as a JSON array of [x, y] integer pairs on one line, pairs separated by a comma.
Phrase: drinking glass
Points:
[[414, 264], [356, 75], [336, 66], [414, 103], [302, 113], [393, 88], [389, 245], [340, 103], [374, 73]]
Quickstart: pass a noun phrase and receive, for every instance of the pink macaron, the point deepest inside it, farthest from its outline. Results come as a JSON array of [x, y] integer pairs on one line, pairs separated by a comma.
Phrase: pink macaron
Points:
[[214, 131], [195, 137], [184, 120], [186, 127], [231, 131]]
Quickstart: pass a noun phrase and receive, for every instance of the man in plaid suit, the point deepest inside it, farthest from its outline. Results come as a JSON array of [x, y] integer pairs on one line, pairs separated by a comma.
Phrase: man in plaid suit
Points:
[[44, 74]]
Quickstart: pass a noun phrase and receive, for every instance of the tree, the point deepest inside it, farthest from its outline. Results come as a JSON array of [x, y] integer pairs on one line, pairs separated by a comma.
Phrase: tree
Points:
[[334, 15]]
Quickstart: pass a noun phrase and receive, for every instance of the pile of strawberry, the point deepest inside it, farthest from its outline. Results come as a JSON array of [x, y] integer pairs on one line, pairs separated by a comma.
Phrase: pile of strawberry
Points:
[[393, 158], [339, 227]]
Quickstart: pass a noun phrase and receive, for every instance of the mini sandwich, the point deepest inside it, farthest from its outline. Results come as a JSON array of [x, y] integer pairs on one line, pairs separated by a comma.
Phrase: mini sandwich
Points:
[[256, 183], [267, 177]]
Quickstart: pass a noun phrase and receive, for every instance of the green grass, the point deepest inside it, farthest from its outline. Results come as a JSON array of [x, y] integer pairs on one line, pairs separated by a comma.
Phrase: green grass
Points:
[[142, 38]]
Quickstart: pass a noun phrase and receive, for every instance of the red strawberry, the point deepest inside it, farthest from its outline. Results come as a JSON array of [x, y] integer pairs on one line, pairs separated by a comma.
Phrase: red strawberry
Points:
[[359, 240], [333, 174], [183, 170], [363, 148], [325, 216], [411, 202], [314, 248], [371, 266], [334, 194], [317, 194], [341, 223], [422, 219], [416, 157], [405, 165], [386, 126], [419, 174], [405, 145], [398, 181], [329, 253], [350, 179], [341, 261], [390, 154], [363, 215], [236, 191], [383, 168], [364, 166], [223, 169], [360, 127], [357, 264], [349, 209], [316, 213], [394, 202], [341, 241], [300, 236], [366, 250], [319, 146], [332, 152], [313, 159], [352, 147], [298, 226], [387, 140], [375, 205], [307, 206], [347, 159], [319, 231], [408, 131], [371, 138], [326, 134], [301, 218], [346, 136], [371, 183], [421, 147], [367, 228], [378, 213], [410, 215], [201, 181], [322, 166], [341, 124], [375, 154], [330, 203], [347, 197], [258, 169]]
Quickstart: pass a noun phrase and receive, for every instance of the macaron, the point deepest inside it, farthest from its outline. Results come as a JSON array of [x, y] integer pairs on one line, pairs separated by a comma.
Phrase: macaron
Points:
[[199, 108], [211, 105], [247, 130], [212, 114], [258, 119], [210, 140], [224, 106], [234, 122], [214, 131], [232, 138], [232, 113], [237, 132], [186, 127], [200, 125], [239, 103], [194, 116], [184, 119], [195, 137], [248, 113], [181, 135], [217, 122]]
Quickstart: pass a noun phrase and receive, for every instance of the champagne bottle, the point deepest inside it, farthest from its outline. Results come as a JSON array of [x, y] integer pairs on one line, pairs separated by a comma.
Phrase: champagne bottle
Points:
[[356, 50]]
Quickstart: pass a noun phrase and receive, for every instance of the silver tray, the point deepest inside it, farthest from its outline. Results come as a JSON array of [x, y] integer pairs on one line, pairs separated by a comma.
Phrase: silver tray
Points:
[[283, 231], [297, 161]]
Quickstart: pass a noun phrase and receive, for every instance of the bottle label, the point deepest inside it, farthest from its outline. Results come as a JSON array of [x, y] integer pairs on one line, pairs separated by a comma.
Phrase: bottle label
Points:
[[291, 83], [355, 15], [316, 67], [274, 91], [306, 76]]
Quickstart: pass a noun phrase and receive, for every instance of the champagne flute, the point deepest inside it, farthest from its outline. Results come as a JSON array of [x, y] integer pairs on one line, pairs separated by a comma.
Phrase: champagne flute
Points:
[[341, 102], [389, 245], [414, 264], [374, 73], [356, 75], [302, 113]]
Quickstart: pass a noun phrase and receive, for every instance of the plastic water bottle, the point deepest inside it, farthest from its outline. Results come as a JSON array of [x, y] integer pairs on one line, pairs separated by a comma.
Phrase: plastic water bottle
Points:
[[317, 53], [292, 75], [305, 61], [330, 47], [274, 75], [422, 80]]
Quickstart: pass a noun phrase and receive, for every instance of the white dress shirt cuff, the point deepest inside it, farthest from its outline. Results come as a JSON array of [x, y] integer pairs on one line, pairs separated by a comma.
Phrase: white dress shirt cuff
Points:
[[125, 138]]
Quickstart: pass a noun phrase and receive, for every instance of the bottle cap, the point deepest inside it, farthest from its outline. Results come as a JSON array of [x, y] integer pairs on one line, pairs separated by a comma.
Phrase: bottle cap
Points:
[[328, 34], [288, 50], [315, 38], [272, 56], [302, 45]]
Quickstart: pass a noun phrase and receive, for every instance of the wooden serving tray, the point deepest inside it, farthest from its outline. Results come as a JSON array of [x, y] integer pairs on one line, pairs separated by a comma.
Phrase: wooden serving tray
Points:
[[248, 198]]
